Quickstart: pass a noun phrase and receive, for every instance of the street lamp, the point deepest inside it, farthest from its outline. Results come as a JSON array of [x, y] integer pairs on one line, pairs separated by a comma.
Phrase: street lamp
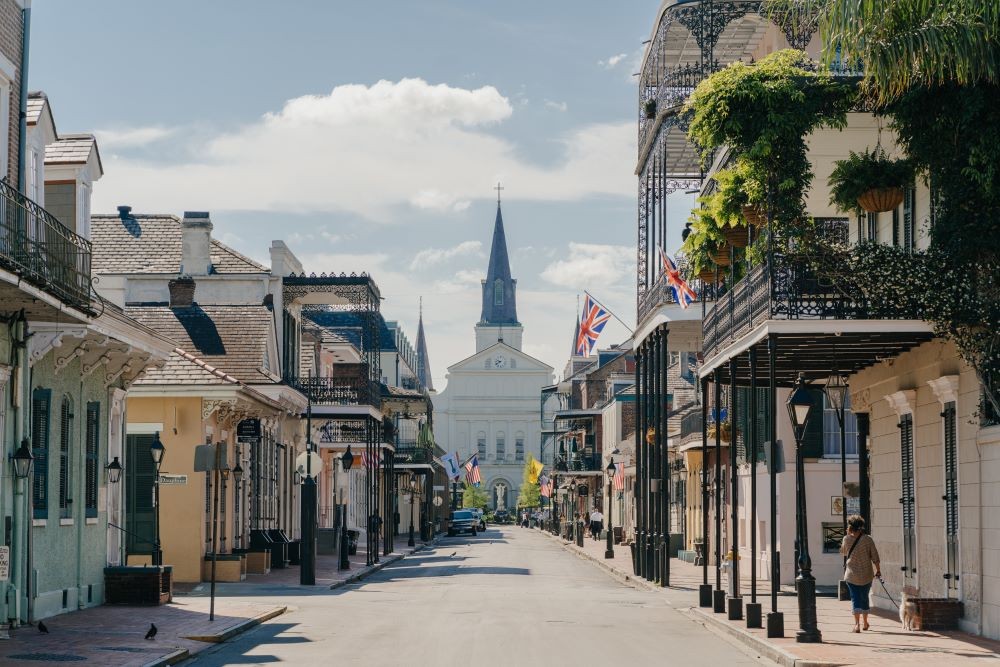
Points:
[[800, 403], [346, 461], [238, 482], [22, 459], [413, 494], [157, 450], [609, 552], [836, 395], [114, 470]]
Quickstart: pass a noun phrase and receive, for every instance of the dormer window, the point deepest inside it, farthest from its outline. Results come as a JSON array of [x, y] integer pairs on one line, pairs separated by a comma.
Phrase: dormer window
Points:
[[498, 292]]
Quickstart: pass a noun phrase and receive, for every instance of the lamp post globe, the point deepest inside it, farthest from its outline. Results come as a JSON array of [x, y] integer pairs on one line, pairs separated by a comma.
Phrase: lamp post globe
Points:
[[347, 460], [238, 473], [156, 451], [114, 470], [800, 403], [22, 459]]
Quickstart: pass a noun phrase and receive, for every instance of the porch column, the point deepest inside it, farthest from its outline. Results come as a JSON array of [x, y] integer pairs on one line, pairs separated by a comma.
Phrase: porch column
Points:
[[665, 477], [863, 421], [719, 596], [735, 600]]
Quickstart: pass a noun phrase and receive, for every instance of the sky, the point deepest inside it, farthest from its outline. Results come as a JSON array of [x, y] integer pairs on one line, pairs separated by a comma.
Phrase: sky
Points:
[[369, 137]]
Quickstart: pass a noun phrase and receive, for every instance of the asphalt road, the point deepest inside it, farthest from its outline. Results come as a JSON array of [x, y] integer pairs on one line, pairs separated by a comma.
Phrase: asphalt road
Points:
[[509, 596]]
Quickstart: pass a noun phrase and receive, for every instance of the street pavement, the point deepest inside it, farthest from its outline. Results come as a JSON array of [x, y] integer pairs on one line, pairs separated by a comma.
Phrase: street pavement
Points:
[[509, 596]]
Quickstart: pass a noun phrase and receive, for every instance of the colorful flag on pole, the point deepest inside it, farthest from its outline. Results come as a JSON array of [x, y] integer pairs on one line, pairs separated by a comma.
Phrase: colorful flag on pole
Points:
[[543, 486], [619, 479], [370, 460], [472, 471], [535, 470], [450, 461], [592, 322], [683, 294]]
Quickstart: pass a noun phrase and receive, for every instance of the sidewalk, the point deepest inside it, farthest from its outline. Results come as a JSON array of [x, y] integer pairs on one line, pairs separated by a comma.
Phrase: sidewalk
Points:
[[886, 644], [114, 634]]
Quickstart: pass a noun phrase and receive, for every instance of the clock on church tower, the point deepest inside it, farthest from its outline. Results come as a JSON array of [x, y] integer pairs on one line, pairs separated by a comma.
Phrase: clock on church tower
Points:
[[499, 361]]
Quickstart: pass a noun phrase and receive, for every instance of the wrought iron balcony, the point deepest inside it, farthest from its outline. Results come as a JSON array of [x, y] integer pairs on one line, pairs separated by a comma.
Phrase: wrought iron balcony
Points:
[[341, 390], [578, 463], [792, 290], [691, 424], [661, 294], [409, 451], [42, 250]]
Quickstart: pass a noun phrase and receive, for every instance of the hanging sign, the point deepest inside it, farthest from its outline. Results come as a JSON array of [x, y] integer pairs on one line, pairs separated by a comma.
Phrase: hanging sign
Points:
[[248, 430], [168, 479], [308, 464], [4, 563]]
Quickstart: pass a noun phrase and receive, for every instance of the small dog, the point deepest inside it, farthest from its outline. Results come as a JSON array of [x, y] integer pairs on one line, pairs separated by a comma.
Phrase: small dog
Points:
[[909, 612]]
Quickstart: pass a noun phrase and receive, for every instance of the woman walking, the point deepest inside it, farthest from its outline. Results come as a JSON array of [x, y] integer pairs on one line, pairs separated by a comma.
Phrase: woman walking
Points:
[[862, 568]]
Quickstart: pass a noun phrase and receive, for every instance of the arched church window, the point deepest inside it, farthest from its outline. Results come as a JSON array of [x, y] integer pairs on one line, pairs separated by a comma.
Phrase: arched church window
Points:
[[481, 445], [519, 447], [498, 292], [501, 447]]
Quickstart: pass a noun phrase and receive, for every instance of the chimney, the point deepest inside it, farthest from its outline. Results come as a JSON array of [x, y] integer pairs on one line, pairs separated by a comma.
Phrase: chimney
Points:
[[196, 242], [124, 212], [181, 292]]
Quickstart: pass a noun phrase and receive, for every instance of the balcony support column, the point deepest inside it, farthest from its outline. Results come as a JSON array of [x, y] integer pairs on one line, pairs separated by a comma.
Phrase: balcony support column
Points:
[[656, 490], [664, 460], [735, 599], [719, 595]]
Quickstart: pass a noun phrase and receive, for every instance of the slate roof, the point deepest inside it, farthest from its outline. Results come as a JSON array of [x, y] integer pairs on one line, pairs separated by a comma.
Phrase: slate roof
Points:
[[350, 325], [186, 369], [230, 338], [70, 149], [152, 244], [36, 103]]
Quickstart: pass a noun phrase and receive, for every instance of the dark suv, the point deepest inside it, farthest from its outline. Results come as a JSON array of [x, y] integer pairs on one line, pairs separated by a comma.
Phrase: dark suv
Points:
[[462, 521]]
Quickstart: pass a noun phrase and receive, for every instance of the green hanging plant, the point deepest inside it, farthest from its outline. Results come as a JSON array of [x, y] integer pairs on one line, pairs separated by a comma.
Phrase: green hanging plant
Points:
[[869, 181], [649, 108]]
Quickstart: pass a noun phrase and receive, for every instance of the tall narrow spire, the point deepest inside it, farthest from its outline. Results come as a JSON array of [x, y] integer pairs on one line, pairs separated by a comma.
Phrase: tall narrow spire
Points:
[[423, 360], [499, 289], [575, 351]]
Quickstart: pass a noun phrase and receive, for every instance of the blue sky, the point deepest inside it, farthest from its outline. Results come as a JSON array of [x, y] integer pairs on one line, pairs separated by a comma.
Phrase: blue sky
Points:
[[369, 135]]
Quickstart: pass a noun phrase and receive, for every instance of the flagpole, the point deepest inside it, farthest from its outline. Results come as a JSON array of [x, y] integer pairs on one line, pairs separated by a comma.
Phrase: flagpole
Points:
[[610, 311]]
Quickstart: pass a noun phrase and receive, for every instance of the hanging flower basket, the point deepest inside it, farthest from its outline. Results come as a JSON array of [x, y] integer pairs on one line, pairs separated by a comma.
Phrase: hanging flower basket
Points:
[[880, 200], [649, 108], [721, 256], [737, 237], [754, 216], [707, 276], [724, 429]]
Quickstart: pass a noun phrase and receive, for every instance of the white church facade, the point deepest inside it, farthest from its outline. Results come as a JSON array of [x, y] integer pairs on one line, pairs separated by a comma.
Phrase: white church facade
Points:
[[491, 402]]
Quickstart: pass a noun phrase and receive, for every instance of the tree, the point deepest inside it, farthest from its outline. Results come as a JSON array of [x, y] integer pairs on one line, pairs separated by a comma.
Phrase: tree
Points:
[[474, 496], [530, 494]]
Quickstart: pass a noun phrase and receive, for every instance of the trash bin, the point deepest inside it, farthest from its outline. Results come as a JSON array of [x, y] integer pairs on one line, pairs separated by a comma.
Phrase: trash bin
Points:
[[352, 542]]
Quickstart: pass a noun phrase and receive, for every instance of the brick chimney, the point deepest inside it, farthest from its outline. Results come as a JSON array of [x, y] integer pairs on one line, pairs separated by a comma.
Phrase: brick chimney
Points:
[[181, 292], [196, 243]]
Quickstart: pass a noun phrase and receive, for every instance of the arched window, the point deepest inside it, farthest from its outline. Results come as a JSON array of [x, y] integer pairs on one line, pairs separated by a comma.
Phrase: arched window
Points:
[[498, 292]]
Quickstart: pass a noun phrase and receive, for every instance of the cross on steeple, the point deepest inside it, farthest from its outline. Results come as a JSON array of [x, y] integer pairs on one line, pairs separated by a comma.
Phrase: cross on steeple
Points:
[[498, 188]]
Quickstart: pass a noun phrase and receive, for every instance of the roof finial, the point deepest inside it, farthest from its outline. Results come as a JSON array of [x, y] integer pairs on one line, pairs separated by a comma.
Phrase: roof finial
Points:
[[498, 188]]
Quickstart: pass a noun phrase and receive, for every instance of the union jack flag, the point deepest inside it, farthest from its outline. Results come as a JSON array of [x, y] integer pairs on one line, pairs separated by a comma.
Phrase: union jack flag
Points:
[[371, 460], [683, 294], [591, 325], [472, 471], [619, 479]]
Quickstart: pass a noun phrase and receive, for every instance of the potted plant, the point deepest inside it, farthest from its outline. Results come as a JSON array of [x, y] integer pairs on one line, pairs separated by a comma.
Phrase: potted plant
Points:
[[869, 181], [649, 108]]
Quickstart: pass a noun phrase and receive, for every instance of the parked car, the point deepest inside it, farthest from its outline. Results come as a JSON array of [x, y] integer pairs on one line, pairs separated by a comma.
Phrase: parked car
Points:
[[480, 517], [462, 521], [501, 516]]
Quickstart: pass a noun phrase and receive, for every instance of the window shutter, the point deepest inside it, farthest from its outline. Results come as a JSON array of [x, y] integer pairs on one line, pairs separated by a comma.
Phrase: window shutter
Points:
[[908, 228], [908, 499], [951, 494], [65, 436], [812, 442], [92, 445], [41, 400]]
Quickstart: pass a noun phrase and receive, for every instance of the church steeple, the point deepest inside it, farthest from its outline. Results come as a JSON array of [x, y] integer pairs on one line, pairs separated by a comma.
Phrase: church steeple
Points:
[[423, 360], [499, 289]]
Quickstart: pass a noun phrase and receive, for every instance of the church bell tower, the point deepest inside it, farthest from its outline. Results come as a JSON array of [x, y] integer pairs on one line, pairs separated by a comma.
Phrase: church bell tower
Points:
[[498, 321]]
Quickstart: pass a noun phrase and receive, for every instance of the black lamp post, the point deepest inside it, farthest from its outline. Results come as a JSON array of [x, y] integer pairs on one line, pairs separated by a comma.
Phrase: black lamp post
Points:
[[836, 394], [346, 461], [800, 403], [412, 483], [609, 552], [238, 482], [22, 459], [114, 470], [157, 450]]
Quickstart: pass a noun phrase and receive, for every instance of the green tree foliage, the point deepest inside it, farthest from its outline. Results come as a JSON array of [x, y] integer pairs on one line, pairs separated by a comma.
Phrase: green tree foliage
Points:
[[475, 496], [530, 494]]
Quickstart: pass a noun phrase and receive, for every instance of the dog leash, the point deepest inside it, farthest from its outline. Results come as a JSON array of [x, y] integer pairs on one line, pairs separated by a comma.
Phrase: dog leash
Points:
[[882, 581]]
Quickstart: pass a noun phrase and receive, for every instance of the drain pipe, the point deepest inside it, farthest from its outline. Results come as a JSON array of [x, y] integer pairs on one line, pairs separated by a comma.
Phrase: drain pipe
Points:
[[22, 185]]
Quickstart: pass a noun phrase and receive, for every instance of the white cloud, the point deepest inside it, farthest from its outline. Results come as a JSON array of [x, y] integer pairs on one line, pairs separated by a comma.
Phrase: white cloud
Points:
[[132, 137], [589, 266], [433, 256], [367, 150], [613, 61], [557, 106]]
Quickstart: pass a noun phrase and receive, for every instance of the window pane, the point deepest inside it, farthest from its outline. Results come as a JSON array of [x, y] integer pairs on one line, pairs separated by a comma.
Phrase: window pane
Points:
[[831, 429]]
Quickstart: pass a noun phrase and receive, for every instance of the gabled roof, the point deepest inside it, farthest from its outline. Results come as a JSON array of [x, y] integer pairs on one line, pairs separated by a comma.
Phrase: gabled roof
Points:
[[185, 368], [38, 103], [233, 339], [150, 243], [71, 149], [507, 349]]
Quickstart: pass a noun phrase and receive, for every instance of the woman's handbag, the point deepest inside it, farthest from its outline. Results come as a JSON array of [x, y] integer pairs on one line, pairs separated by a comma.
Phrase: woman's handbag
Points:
[[843, 593]]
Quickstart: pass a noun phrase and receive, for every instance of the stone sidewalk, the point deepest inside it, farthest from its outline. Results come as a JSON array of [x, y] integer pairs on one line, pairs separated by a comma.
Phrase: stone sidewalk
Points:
[[885, 644]]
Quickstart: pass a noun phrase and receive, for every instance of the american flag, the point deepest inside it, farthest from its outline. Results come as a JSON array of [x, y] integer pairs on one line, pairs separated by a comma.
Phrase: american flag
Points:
[[472, 471], [592, 323], [619, 479], [683, 294], [543, 486], [370, 460]]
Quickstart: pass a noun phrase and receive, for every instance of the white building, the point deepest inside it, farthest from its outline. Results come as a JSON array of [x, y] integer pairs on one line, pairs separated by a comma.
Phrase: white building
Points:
[[490, 406]]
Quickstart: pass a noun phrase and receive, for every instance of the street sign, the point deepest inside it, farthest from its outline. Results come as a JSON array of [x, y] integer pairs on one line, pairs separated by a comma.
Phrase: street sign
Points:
[[167, 478], [205, 458], [438, 501], [4, 563], [308, 463]]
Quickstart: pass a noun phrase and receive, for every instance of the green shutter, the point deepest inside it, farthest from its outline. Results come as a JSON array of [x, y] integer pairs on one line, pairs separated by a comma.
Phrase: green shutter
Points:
[[41, 400], [812, 443], [65, 438], [92, 445]]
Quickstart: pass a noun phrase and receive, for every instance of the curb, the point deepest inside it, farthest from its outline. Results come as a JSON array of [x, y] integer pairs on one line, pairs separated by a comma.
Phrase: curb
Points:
[[628, 579], [239, 628], [386, 560], [170, 658]]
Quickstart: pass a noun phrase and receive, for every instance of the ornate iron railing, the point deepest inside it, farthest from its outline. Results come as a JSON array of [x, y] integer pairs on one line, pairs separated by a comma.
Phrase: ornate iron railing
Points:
[[343, 390], [792, 290], [691, 424], [660, 294], [409, 451], [42, 250]]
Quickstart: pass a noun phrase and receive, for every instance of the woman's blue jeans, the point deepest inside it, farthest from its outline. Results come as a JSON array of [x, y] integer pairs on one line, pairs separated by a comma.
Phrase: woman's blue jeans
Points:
[[859, 597]]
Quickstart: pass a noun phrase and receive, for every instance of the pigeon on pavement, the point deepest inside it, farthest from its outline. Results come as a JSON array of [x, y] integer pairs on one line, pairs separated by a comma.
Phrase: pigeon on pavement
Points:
[[42, 628], [151, 633]]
